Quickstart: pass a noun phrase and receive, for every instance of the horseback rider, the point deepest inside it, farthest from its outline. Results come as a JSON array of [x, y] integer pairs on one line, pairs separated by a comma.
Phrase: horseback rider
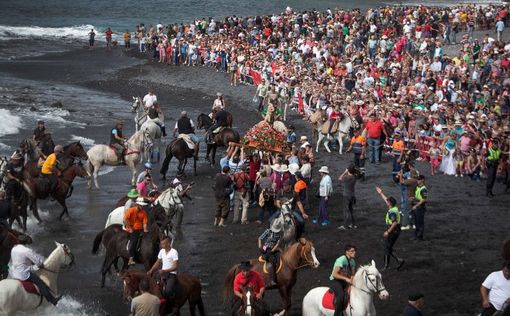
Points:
[[220, 120], [341, 276], [135, 221], [50, 170], [283, 197], [149, 99], [219, 103], [155, 114], [145, 172], [185, 126], [167, 265], [248, 278], [334, 116], [269, 243], [23, 261], [132, 196], [117, 140], [14, 175], [38, 136]]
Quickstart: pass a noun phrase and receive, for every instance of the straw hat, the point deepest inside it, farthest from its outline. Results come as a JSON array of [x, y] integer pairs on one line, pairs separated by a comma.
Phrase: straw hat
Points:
[[303, 138], [140, 201], [324, 169]]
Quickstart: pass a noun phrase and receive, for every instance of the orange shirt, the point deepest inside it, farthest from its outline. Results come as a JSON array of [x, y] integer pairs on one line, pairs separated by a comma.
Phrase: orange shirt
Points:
[[358, 139], [398, 146], [135, 218]]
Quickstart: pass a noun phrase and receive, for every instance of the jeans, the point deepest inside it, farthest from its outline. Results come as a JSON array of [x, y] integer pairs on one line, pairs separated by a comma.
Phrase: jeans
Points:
[[170, 280], [348, 210], [339, 288], [419, 218], [323, 210], [373, 149], [492, 169], [406, 220], [241, 198], [133, 241], [390, 241]]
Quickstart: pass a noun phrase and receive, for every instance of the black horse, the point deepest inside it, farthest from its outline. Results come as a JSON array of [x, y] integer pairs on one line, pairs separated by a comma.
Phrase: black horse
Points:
[[223, 138], [179, 149]]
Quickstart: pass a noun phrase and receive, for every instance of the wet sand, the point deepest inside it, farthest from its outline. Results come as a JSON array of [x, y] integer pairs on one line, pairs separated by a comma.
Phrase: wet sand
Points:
[[463, 229]]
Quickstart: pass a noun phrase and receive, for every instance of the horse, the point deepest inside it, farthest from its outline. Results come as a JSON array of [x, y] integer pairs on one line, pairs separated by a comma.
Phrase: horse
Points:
[[116, 247], [103, 154], [367, 281], [71, 151], [299, 255], [8, 239], [188, 288], [152, 132], [63, 189], [14, 298], [223, 138], [179, 149], [342, 131], [316, 119], [19, 205], [46, 146], [249, 307], [141, 116]]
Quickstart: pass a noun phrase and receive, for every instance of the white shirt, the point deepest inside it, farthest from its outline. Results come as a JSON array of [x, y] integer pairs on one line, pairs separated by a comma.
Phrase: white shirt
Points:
[[22, 259], [499, 289], [168, 258], [149, 100], [326, 186], [306, 170]]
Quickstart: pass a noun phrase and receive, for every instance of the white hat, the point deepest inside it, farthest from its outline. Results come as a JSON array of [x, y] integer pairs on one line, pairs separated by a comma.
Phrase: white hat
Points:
[[276, 225], [176, 181], [283, 168], [218, 94], [141, 201], [303, 138], [305, 144], [324, 169], [293, 167], [275, 167]]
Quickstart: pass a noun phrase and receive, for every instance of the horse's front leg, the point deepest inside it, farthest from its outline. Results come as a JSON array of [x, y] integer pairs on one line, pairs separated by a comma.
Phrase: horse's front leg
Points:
[[286, 299], [213, 159], [62, 202], [340, 143], [326, 143], [319, 140]]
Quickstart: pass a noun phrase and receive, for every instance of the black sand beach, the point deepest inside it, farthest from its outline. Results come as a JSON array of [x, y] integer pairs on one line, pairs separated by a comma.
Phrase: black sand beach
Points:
[[463, 230]]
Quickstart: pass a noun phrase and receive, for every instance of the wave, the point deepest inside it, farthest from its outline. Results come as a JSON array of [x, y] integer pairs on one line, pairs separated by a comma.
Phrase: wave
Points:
[[8, 32], [11, 123], [67, 306]]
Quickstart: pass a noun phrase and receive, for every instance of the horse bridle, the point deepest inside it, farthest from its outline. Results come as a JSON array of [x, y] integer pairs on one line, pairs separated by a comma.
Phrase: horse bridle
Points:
[[308, 261], [368, 280], [67, 253]]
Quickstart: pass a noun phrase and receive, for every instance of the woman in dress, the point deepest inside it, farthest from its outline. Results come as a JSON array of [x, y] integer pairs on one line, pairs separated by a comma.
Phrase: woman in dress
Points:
[[447, 163]]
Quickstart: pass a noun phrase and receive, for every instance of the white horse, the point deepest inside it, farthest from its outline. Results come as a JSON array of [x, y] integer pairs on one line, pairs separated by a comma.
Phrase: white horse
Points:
[[342, 131], [105, 155], [138, 108], [170, 200], [152, 131], [289, 224], [14, 298], [367, 281]]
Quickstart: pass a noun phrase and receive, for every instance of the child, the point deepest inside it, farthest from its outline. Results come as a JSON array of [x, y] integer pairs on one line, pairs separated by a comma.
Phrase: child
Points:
[[434, 153]]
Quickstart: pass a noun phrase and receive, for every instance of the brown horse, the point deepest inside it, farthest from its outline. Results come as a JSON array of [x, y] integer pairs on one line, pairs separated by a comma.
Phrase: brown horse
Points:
[[63, 189], [19, 205], [179, 149], [116, 247], [188, 288], [8, 239], [71, 151], [250, 305], [299, 255], [223, 138]]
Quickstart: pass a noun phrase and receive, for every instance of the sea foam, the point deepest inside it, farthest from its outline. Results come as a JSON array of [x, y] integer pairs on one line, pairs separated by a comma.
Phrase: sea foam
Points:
[[12, 123]]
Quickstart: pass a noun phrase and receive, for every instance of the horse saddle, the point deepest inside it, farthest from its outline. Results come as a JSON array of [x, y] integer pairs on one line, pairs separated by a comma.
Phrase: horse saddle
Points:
[[325, 127], [30, 287], [328, 300], [187, 139], [267, 266]]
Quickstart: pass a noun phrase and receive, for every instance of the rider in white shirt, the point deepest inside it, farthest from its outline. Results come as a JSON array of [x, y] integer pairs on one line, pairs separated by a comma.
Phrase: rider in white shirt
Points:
[[168, 260], [149, 99], [23, 261]]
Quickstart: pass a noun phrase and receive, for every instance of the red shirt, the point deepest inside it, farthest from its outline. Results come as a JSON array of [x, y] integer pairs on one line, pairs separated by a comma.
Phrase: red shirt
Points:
[[374, 128], [254, 280], [254, 168], [108, 34]]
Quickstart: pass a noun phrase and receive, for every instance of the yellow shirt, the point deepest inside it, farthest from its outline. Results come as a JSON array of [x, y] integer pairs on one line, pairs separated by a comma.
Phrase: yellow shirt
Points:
[[48, 165]]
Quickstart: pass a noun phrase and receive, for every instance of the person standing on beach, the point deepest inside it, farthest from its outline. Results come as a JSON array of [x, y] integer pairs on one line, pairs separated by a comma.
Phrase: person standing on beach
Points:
[[108, 34], [127, 39], [92, 36]]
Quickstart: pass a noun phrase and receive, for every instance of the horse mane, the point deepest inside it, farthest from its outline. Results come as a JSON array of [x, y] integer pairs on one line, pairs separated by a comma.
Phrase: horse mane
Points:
[[71, 144]]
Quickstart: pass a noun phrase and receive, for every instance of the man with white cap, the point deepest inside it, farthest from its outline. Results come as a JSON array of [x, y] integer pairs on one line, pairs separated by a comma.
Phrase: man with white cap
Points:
[[135, 221], [269, 242], [49, 169]]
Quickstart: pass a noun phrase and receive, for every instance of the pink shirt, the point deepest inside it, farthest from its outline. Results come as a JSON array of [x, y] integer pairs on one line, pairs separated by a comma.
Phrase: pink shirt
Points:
[[464, 143], [142, 189]]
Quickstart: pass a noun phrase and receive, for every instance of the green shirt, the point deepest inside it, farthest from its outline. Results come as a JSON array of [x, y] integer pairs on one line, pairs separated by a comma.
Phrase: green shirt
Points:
[[346, 268]]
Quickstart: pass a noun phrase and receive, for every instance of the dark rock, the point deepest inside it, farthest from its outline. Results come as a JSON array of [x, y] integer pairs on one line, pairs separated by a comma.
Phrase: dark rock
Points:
[[33, 108], [57, 104]]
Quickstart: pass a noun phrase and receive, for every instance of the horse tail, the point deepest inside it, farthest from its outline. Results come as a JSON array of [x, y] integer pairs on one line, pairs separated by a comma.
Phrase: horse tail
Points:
[[200, 306], [229, 283], [166, 161], [97, 242]]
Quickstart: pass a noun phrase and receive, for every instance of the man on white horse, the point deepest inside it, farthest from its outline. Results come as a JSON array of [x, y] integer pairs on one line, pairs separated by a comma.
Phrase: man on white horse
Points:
[[117, 140], [342, 275], [149, 99], [185, 126], [155, 114], [22, 261]]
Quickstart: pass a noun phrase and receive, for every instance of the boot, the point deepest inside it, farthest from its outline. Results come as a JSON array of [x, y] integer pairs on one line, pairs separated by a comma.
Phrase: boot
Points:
[[222, 223], [386, 263]]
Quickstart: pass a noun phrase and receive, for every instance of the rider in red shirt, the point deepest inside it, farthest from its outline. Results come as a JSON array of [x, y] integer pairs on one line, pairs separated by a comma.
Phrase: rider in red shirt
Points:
[[248, 278], [334, 116]]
